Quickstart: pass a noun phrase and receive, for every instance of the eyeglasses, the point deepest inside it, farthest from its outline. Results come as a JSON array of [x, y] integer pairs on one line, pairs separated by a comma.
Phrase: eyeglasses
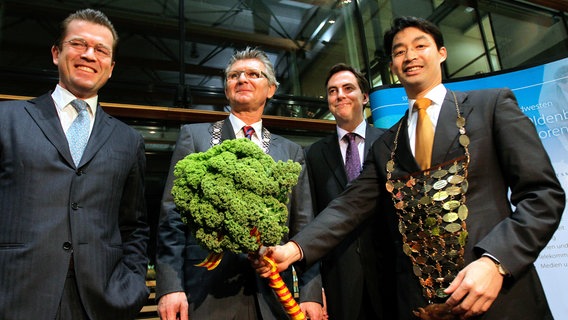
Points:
[[82, 46], [251, 74]]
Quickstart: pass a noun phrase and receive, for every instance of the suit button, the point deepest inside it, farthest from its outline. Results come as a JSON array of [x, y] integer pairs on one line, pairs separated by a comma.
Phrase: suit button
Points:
[[74, 206], [79, 172], [67, 246]]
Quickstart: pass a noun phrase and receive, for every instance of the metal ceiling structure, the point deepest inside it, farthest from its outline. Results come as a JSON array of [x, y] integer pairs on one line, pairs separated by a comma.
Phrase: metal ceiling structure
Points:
[[302, 38]]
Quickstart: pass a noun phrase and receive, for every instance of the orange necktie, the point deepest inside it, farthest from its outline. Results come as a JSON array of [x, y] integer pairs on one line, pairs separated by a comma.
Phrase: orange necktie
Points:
[[424, 134]]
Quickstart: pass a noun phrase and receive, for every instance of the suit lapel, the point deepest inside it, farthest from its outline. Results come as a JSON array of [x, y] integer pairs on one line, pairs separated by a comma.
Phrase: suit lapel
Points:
[[42, 109], [446, 139], [102, 130], [331, 155], [370, 137], [404, 159], [227, 130]]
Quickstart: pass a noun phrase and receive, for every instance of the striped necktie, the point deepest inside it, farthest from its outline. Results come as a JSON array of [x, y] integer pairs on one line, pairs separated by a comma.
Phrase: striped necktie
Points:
[[249, 131]]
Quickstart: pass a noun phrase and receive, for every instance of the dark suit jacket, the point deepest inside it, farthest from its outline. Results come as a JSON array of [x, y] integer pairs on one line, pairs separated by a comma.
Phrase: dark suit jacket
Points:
[[50, 209], [356, 264], [505, 153], [178, 250]]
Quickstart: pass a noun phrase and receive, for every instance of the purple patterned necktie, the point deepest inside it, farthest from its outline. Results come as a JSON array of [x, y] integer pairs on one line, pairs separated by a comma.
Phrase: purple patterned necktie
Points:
[[352, 161], [249, 131]]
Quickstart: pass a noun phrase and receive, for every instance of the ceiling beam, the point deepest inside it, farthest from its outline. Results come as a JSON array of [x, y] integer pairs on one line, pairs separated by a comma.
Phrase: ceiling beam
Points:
[[560, 5], [157, 25]]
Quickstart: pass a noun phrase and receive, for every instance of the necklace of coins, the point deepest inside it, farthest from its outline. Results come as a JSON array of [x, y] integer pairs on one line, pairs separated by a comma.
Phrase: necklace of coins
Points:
[[431, 206]]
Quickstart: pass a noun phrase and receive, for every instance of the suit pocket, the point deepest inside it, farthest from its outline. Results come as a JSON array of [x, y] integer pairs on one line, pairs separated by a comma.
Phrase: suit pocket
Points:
[[9, 246]]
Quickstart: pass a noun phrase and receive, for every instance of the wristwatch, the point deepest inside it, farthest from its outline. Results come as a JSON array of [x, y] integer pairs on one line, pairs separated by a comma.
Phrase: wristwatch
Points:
[[500, 267]]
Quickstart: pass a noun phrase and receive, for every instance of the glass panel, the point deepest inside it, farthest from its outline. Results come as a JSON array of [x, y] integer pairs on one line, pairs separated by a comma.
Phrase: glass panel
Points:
[[464, 43], [527, 37]]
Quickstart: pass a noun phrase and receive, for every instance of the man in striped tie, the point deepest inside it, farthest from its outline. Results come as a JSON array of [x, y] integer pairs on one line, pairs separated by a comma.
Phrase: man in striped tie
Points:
[[232, 290]]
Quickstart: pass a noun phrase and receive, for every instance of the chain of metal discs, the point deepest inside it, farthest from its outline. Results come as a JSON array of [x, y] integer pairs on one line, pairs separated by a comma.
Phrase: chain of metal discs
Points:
[[432, 210]]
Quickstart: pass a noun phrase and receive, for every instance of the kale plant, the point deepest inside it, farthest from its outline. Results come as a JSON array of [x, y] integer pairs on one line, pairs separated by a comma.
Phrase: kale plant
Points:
[[233, 196]]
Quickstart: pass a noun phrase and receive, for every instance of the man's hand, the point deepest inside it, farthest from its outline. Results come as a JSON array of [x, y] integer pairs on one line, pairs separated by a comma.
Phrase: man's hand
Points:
[[475, 288], [283, 256], [173, 306], [312, 310]]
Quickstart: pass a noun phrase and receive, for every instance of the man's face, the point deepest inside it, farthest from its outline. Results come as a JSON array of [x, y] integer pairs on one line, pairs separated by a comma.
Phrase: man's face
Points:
[[84, 72], [246, 94], [416, 61], [345, 99]]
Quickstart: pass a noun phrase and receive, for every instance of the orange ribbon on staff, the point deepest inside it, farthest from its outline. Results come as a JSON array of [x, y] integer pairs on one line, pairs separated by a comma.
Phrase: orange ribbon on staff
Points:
[[277, 284], [211, 262], [274, 280]]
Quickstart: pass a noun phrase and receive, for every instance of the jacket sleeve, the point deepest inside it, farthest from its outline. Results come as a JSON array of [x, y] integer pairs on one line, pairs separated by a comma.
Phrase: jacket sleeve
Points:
[[171, 230], [535, 192], [133, 225]]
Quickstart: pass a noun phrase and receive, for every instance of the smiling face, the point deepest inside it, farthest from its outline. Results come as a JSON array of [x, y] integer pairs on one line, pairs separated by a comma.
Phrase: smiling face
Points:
[[248, 95], [416, 61], [81, 72], [346, 100]]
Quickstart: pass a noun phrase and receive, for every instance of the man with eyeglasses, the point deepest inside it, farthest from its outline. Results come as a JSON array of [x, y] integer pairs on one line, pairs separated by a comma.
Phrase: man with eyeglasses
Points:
[[73, 234], [232, 290]]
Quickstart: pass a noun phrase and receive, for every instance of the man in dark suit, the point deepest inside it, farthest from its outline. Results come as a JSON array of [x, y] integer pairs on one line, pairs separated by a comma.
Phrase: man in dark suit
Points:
[[351, 272], [232, 290], [73, 234], [462, 249]]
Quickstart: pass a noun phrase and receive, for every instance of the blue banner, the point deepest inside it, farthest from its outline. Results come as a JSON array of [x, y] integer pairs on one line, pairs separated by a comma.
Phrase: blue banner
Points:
[[542, 93]]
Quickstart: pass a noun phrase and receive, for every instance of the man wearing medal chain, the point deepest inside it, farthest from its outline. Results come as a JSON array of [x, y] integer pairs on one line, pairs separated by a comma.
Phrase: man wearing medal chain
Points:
[[483, 147]]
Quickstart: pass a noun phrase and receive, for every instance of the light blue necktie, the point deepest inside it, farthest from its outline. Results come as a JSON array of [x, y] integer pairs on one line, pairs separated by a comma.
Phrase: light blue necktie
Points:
[[78, 132]]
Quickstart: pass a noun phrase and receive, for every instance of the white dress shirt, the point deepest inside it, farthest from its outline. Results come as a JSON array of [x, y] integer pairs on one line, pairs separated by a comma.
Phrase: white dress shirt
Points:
[[66, 112]]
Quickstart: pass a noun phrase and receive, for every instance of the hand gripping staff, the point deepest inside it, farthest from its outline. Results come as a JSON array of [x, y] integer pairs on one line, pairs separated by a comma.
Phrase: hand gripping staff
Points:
[[274, 279]]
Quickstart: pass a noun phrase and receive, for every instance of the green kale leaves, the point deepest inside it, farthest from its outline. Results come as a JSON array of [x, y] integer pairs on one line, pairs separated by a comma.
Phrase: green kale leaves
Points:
[[230, 191]]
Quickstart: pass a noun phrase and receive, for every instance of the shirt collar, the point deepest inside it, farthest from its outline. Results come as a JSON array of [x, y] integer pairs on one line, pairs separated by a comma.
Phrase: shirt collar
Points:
[[360, 130], [238, 125], [62, 98], [437, 95]]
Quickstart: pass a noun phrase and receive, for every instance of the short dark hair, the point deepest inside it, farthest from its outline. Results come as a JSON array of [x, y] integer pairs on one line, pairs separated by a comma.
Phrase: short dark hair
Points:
[[89, 15], [402, 23], [361, 80]]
